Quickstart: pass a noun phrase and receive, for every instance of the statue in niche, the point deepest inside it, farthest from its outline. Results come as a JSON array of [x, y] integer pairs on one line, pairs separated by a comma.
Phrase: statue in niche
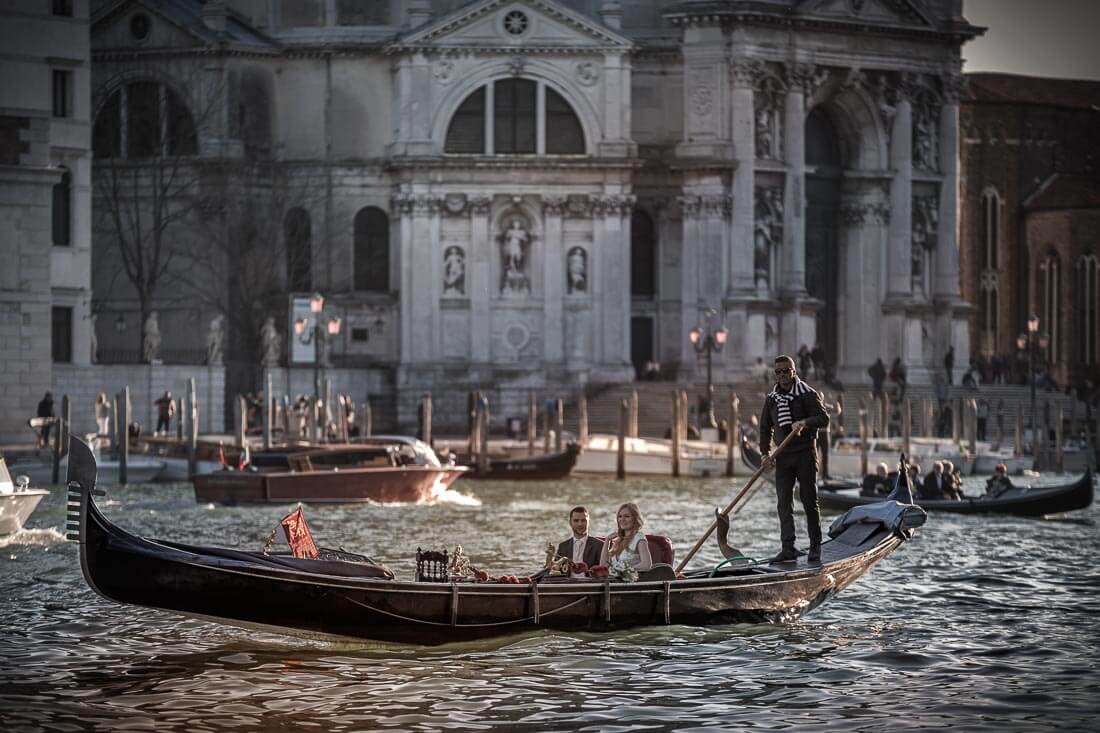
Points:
[[151, 332], [272, 342], [95, 340], [767, 233], [215, 337], [514, 280], [577, 270], [454, 271], [925, 143], [765, 133]]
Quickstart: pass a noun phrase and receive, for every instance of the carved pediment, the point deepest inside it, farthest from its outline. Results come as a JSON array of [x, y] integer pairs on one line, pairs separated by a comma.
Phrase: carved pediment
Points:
[[889, 12], [527, 25], [130, 25]]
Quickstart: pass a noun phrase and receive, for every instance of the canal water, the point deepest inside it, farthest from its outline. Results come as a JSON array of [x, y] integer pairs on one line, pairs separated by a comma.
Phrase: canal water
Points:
[[979, 623]]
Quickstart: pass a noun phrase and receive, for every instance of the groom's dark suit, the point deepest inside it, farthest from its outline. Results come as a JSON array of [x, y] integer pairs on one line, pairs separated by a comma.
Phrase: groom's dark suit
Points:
[[593, 546]]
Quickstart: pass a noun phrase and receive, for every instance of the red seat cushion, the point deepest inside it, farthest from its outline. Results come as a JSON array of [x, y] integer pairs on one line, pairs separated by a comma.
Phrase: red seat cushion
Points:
[[660, 548]]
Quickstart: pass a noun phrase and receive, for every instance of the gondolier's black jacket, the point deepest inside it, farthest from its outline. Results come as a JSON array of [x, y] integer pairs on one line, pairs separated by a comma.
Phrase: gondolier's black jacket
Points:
[[808, 407]]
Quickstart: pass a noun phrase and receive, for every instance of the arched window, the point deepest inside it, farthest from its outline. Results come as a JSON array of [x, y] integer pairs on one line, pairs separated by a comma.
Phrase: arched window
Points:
[[372, 250], [643, 255], [503, 118], [1050, 291], [988, 306], [61, 209], [299, 255], [991, 227], [144, 119], [1086, 309], [822, 147]]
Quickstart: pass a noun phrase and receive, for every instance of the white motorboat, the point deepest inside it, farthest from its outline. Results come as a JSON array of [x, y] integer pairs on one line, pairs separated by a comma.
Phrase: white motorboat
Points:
[[988, 456], [844, 454], [139, 470], [16, 501], [653, 456]]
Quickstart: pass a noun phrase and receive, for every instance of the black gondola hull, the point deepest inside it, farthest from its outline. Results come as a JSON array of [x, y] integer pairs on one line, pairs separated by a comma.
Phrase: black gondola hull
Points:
[[251, 590]]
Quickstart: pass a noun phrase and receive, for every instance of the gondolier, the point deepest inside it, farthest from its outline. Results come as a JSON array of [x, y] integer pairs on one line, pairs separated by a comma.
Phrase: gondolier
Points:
[[793, 405]]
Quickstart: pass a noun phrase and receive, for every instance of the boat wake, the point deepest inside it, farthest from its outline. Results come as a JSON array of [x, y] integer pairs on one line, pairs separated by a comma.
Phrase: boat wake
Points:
[[45, 537], [447, 495]]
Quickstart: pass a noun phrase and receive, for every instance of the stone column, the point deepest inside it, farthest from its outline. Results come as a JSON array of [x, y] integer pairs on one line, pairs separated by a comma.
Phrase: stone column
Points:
[[479, 259], [692, 234], [403, 207], [947, 254], [706, 88], [792, 280], [744, 153], [612, 231], [899, 278], [423, 280], [553, 270]]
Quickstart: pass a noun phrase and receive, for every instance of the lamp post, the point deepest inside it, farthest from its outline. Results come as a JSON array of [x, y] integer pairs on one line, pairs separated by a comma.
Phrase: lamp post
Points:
[[709, 341], [310, 331], [1027, 341]]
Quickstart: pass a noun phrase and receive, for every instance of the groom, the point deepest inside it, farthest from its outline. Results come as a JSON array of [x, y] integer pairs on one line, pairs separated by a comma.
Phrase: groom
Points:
[[580, 547]]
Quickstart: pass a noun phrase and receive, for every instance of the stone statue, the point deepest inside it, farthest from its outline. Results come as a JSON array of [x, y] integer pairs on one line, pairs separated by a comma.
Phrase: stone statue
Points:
[[925, 143], [767, 232], [765, 136], [515, 241], [577, 269], [272, 343], [215, 337], [151, 332], [454, 271]]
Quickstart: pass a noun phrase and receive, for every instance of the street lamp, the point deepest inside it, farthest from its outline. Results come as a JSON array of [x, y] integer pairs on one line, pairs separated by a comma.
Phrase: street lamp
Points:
[[310, 331], [708, 342], [1027, 341]]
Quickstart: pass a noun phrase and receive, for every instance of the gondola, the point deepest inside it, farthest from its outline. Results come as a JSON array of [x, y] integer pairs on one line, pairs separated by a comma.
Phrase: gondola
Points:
[[336, 599], [1023, 501], [527, 468]]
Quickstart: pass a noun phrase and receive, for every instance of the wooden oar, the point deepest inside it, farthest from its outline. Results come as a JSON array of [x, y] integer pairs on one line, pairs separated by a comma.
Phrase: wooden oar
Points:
[[729, 507]]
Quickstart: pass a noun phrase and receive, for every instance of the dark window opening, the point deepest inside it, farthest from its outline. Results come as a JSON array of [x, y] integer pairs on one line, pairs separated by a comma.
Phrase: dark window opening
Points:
[[153, 121], [372, 250], [466, 133], [61, 334], [643, 255], [514, 116], [61, 208], [139, 26], [63, 8], [822, 148], [62, 80], [360, 335], [564, 135], [107, 133], [297, 234]]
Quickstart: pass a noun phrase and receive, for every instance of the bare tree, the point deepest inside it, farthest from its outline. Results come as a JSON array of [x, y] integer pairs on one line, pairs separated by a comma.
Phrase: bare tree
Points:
[[244, 263], [147, 173]]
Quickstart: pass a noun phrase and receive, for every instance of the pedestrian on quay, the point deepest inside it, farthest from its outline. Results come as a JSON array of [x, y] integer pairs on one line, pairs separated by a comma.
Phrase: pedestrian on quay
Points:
[[877, 372], [45, 410], [949, 363], [166, 408], [102, 413], [793, 407]]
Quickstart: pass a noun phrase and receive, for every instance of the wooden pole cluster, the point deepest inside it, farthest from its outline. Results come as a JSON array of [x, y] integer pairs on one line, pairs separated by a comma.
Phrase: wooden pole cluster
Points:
[[582, 428], [624, 427], [634, 413], [483, 435], [60, 439], [972, 425], [124, 433], [367, 418], [906, 425], [1019, 449], [675, 432], [559, 424], [426, 418], [733, 432], [1059, 458], [269, 404], [863, 430], [532, 423], [546, 428]]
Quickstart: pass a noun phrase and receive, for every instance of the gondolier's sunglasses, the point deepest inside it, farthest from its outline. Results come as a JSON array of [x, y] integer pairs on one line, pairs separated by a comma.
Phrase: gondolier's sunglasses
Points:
[[783, 370]]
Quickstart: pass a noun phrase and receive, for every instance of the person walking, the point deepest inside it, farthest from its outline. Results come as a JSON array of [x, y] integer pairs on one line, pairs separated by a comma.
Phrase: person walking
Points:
[[877, 373], [166, 408], [45, 410], [793, 406], [949, 363]]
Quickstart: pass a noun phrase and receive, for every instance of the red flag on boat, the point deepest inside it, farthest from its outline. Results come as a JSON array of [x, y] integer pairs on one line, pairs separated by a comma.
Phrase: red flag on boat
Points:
[[244, 459], [298, 535], [221, 455]]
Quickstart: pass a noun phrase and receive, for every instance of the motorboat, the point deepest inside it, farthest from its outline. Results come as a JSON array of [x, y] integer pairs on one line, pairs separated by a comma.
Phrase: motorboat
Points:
[[17, 500], [381, 469], [652, 456]]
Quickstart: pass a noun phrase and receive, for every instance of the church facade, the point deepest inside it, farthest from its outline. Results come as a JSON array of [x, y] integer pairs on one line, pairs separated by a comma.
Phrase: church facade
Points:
[[542, 194]]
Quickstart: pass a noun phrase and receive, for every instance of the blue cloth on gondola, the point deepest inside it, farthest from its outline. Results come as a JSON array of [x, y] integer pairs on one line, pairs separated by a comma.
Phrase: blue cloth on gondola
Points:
[[889, 514]]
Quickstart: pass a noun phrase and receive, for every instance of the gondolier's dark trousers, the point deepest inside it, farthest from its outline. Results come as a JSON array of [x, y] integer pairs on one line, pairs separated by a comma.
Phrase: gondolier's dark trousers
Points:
[[800, 466]]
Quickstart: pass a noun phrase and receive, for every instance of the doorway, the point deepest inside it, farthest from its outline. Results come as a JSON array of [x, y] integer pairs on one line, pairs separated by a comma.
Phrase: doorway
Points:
[[641, 344]]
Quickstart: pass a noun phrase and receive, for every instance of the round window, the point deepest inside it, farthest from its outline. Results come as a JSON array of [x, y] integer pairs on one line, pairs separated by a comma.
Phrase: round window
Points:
[[139, 26], [516, 23]]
